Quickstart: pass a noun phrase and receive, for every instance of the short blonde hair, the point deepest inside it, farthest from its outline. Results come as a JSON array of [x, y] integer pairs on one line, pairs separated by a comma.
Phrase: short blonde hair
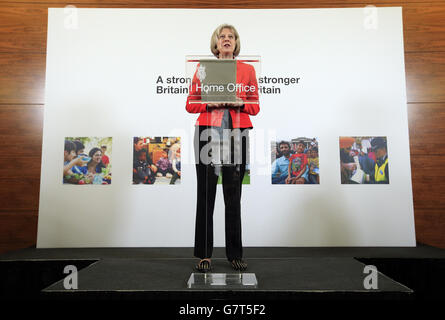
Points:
[[215, 36]]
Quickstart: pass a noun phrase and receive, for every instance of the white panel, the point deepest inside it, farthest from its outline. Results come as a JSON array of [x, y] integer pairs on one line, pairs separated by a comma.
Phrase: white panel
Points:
[[101, 82]]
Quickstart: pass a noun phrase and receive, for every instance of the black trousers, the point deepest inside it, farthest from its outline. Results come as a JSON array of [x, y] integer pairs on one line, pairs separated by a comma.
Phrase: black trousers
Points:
[[232, 177]]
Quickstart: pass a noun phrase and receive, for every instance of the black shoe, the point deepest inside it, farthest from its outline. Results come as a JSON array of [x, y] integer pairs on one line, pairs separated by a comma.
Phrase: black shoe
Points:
[[239, 264], [204, 266]]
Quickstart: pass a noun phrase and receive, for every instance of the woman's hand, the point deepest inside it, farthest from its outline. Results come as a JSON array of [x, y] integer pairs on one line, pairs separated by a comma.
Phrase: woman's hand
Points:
[[238, 104], [216, 105]]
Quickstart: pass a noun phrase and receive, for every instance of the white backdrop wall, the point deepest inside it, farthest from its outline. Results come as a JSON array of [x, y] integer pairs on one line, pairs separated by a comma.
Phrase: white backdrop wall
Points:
[[102, 67]]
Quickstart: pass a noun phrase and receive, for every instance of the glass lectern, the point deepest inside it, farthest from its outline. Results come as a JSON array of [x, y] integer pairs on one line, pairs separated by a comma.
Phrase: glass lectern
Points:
[[225, 94]]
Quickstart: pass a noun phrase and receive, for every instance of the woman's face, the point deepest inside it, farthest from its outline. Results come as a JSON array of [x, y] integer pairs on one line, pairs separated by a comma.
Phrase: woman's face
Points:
[[97, 156], [226, 43]]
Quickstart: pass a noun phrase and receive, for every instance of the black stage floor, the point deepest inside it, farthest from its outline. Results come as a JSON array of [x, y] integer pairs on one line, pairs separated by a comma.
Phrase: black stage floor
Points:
[[407, 273], [421, 251]]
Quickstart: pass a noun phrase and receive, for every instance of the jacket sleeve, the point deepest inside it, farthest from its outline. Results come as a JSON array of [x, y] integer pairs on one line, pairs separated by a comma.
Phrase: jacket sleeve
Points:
[[252, 108], [195, 94]]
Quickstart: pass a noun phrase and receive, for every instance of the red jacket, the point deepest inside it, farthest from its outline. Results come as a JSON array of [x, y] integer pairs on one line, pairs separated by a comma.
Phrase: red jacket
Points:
[[245, 75]]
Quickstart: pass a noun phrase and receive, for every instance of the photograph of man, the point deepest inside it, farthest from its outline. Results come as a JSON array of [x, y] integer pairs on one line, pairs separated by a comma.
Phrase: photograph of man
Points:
[[381, 170], [364, 160], [280, 166], [295, 161]]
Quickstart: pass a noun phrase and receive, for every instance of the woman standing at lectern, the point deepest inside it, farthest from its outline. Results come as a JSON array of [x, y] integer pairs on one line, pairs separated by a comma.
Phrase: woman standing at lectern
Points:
[[220, 119]]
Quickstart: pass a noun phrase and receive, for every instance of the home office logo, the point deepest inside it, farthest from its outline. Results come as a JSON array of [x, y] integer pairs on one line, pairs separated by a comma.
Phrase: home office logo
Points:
[[201, 74]]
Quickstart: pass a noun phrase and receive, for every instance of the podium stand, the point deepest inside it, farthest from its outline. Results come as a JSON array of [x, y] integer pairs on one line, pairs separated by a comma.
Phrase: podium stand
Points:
[[221, 86], [222, 281]]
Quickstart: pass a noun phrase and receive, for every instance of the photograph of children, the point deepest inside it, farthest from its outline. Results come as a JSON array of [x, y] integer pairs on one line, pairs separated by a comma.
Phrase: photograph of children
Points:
[[364, 160], [156, 160], [295, 161], [87, 160]]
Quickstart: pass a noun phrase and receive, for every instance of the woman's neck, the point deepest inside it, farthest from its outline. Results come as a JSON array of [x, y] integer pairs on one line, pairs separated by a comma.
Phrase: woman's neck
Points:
[[226, 56]]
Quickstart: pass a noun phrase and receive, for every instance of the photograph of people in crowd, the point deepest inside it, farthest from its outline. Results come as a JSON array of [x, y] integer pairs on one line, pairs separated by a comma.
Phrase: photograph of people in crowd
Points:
[[364, 160], [295, 161], [87, 160], [156, 160]]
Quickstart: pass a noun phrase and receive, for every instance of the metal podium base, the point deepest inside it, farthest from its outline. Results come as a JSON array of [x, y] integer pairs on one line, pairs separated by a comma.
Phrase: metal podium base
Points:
[[222, 281]]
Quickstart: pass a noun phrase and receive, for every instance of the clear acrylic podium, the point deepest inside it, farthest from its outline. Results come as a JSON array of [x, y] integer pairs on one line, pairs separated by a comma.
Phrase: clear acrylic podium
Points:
[[222, 281], [226, 83]]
